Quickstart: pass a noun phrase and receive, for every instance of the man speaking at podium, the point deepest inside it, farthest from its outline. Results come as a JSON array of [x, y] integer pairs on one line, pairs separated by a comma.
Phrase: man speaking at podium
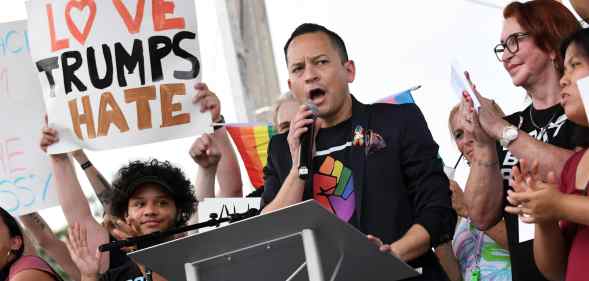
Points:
[[374, 166]]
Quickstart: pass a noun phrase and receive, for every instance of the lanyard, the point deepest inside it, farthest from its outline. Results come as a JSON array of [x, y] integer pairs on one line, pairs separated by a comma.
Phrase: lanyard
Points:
[[475, 273]]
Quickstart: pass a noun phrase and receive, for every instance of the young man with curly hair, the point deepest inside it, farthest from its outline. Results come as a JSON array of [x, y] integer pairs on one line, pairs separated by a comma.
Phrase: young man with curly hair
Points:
[[146, 197]]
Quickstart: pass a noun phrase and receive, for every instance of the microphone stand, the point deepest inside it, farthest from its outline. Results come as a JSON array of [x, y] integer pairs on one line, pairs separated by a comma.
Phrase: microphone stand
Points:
[[159, 235]]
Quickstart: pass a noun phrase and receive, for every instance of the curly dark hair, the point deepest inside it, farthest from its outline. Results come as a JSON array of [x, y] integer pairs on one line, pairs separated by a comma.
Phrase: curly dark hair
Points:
[[180, 188]]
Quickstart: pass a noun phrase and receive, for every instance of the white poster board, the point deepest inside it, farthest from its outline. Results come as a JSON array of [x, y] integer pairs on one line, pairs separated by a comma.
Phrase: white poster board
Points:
[[117, 73], [25, 177]]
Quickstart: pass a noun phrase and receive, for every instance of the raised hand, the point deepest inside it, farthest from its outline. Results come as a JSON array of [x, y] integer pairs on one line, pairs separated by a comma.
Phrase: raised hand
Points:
[[124, 230], [489, 117], [298, 126], [88, 262], [534, 200], [208, 100], [205, 152]]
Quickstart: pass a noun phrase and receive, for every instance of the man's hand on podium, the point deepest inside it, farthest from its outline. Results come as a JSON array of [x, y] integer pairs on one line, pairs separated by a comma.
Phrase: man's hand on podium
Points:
[[385, 248]]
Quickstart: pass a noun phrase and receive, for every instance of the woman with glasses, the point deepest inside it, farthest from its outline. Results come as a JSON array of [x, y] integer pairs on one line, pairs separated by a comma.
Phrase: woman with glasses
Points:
[[560, 212], [529, 52]]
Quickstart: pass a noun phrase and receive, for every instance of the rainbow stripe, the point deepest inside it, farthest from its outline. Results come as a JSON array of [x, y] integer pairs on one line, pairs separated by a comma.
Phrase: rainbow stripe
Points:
[[398, 98], [252, 142]]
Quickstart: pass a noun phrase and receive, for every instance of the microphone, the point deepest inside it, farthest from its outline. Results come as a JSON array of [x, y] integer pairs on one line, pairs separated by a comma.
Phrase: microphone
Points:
[[307, 141]]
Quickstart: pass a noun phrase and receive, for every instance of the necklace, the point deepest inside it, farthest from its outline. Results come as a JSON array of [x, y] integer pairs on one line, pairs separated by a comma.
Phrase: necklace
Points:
[[542, 129]]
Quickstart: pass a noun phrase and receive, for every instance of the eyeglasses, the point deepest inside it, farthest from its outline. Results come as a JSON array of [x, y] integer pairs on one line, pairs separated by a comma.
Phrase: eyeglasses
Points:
[[511, 44]]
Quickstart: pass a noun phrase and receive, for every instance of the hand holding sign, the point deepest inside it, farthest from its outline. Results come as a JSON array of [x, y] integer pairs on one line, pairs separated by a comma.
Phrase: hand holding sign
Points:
[[461, 85], [487, 123]]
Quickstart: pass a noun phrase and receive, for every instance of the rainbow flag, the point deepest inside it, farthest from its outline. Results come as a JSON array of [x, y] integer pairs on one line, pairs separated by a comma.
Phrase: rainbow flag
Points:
[[252, 140], [399, 98]]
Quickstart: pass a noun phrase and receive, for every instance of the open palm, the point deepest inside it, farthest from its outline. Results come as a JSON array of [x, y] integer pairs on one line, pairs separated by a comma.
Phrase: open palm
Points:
[[77, 244]]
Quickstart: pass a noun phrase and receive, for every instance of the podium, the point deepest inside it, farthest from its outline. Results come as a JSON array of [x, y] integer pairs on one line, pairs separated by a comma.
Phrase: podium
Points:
[[300, 242]]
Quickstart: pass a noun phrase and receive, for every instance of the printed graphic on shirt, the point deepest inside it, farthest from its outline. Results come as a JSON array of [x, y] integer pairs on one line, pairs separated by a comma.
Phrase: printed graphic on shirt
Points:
[[545, 135], [474, 249], [333, 188]]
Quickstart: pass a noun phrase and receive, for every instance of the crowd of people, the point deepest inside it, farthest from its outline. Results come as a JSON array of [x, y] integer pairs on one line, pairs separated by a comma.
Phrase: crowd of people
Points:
[[379, 160]]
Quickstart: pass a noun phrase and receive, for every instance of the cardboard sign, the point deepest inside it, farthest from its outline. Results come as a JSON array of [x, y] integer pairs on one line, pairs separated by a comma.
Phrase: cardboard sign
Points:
[[460, 84], [117, 73], [25, 177]]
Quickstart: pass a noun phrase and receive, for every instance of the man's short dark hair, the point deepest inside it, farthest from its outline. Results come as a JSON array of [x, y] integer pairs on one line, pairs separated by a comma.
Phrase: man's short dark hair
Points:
[[171, 178], [335, 39]]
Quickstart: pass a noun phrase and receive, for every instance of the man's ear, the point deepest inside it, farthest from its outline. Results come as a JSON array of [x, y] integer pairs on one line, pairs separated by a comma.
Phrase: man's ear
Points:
[[350, 70], [289, 84]]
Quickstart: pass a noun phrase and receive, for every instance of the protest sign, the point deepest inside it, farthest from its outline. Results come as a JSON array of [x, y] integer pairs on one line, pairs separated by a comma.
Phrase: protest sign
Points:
[[25, 177], [461, 85], [583, 85], [117, 73]]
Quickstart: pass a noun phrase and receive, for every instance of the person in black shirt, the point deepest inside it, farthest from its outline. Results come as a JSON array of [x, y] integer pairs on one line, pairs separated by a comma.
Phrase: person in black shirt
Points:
[[529, 51], [375, 166]]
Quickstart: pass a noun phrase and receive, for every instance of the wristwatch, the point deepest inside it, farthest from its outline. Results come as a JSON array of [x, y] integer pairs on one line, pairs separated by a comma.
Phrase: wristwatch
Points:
[[508, 135]]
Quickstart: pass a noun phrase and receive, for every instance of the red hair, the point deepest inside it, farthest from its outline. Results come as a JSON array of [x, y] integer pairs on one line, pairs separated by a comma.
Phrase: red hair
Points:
[[547, 21]]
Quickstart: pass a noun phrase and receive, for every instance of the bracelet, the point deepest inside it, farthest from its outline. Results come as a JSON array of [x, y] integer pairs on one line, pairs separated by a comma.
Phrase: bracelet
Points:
[[219, 122], [86, 165]]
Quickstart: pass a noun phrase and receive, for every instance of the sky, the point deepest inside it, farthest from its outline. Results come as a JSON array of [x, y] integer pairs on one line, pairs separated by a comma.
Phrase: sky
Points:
[[395, 45]]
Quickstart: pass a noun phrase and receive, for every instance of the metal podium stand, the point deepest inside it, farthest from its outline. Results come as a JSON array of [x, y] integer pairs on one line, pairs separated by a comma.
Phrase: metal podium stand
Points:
[[301, 242]]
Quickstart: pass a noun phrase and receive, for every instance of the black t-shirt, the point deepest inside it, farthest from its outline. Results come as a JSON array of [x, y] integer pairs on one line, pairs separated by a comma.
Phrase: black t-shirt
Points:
[[333, 182], [121, 267], [550, 126], [126, 272]]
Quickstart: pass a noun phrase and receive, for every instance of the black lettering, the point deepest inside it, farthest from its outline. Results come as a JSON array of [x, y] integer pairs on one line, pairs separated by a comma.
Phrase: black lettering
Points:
[[178, 51], [48, 65], [97, 82], [69, 76], [157, 53], [129, 61]]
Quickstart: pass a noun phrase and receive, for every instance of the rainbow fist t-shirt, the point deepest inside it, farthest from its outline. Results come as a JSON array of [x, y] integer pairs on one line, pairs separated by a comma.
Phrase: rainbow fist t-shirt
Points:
[[333, 180]]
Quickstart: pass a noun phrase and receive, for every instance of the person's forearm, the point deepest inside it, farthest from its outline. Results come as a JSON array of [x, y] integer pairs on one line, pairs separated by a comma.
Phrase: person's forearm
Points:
[[69, 192], [498, 233], [47, 240], [290, 193], [483, 193], [74, 204], [228, 172], [582, 8], [550, 251], [98, 182], [448, 261], [205, 182], [413, 244], [39, 229], [574, 208], [58, 251], [550, 158]]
